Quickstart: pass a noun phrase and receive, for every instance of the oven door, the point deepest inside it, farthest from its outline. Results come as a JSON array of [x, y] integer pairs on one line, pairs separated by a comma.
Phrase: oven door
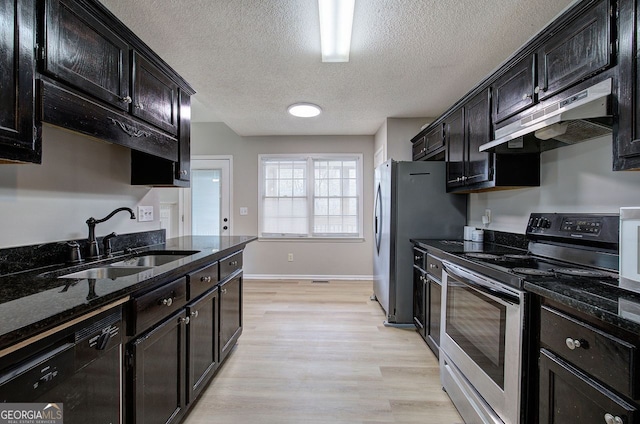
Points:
[[482, 344]]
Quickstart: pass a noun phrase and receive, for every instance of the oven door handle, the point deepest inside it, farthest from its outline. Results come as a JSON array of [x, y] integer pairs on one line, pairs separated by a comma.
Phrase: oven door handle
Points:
[[481, 284]]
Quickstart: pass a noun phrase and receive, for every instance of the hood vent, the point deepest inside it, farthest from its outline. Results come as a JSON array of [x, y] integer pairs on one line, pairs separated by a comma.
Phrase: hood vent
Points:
[[577, 118]]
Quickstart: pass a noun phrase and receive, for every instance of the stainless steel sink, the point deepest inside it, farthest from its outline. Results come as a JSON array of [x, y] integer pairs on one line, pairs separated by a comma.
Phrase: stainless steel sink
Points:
[[150, 260], [111, 272]]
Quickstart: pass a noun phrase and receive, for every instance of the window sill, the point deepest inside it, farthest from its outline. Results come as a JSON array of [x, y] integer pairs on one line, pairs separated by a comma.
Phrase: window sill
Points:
[[313, 240]]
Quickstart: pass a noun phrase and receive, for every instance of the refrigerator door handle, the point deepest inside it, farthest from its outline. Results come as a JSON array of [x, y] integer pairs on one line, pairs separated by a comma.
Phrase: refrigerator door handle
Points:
[[378, 212]]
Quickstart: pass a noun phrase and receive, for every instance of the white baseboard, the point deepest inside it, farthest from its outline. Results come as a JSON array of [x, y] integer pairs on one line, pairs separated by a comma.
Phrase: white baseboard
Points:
[[308, 277]]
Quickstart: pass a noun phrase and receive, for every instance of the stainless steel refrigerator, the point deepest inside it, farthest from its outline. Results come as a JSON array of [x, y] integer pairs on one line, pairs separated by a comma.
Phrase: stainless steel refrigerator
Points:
[[410, 203]]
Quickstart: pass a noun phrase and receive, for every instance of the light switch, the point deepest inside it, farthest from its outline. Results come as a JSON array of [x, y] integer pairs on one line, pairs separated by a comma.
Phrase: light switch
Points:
[[145, 213]]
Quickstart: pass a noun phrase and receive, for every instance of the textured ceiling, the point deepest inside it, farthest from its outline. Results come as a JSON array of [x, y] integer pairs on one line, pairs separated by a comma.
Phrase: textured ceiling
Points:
[[249, 59]]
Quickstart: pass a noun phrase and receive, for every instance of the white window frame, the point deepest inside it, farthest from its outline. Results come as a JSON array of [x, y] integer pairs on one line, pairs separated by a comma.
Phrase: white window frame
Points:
[[309, 158]]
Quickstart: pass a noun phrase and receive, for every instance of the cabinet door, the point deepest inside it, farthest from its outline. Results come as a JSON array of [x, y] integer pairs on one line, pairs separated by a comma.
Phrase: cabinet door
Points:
[[419, 279], [434, 310], [19, 139], [159, 370], [477, 128], [418, 149], [183, 171], [454, 133], [568, 396], [514, 91], [578, 51], [434, 139], [202, 342], [155, 96], [84, 53], [230, 314]]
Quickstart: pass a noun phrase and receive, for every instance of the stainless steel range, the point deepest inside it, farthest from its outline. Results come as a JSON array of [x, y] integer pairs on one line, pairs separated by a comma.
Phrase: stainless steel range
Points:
[[484, 339]]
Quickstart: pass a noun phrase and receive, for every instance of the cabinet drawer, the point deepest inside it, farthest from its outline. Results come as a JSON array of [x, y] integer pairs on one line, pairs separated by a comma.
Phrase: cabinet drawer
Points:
[[434, 266], [601, 355], [152, 307], [202, 280], [230, 264], [418, 257]]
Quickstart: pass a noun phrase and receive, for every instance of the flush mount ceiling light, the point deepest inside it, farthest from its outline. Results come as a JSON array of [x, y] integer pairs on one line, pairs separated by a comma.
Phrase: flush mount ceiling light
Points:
[[304, 110], [336, 21]]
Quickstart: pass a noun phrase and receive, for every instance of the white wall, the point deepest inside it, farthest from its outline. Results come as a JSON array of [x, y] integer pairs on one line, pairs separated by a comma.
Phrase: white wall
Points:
[[395, 134], [78, 178], [574, 178], [319, 259]]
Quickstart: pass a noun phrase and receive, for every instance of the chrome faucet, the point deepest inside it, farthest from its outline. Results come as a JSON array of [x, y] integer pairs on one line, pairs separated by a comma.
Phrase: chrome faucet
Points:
[[94, 252]]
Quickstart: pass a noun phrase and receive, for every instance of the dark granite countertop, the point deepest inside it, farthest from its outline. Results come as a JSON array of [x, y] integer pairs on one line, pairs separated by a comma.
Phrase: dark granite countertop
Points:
[[607, 303], [33, 301], [603, 301]]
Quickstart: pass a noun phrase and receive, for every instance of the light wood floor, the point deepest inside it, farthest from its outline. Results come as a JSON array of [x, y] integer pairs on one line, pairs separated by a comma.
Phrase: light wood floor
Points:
[[319, 353]]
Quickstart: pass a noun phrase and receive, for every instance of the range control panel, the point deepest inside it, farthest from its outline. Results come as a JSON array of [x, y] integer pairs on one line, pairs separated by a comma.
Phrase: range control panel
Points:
[[597, 227]]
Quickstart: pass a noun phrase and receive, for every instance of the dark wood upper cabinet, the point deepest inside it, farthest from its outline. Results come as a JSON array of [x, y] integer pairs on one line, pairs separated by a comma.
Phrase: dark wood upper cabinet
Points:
[[155, 96], [477, 122], [515, 90], [19, 130], [429, 145], [84, 53], [455, 141], [578, 51], [626, 146], [98, 78]]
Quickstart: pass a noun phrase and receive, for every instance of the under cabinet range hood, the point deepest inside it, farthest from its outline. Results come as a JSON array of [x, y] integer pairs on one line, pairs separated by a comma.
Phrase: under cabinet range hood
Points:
[[567, 121]]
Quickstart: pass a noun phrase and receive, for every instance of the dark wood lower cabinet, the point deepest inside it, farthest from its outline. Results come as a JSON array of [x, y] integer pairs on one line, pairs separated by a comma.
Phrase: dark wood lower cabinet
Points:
[[202, 342], [569, 396], [158, 373], [230, 314]]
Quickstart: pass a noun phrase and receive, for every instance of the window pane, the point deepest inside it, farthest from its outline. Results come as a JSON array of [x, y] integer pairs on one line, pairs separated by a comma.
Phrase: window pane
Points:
[[335, 196]]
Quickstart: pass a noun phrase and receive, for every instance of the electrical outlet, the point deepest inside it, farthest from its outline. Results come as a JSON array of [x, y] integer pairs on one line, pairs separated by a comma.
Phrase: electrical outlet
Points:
[[486, 218], [290, 257], [145, 213], [244, 210]]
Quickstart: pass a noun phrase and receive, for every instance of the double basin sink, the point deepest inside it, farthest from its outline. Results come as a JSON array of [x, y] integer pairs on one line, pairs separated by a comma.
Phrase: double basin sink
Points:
[[129, 266]]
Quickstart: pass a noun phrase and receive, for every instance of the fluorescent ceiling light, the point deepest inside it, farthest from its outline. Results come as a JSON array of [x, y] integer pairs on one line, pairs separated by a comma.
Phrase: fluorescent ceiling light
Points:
[[304, 110], [336, 21]]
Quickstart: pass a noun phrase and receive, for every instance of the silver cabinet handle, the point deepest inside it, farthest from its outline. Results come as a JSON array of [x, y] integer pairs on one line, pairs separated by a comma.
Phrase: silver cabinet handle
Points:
[[416, 258], [194, 314], [183, 172], [573, 343], [433, 266], [186, 320], [167, 302], [206, 279], [139, 106], [223, 291], [610, 419], [126, 99]]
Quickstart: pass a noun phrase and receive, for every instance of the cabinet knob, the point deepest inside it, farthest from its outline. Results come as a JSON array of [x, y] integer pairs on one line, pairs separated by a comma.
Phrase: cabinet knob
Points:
[[575, 343], [416, 258], [186, 320], [167, 302], [527, 96], [194, 314], [126, 99], [139, 106], [183, 172], [610, 419], [206, 279], [223, 291], [433, 266], [537, 89]]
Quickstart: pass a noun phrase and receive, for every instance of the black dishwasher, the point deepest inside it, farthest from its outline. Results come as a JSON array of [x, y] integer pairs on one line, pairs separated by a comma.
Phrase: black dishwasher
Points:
[[78, 367]]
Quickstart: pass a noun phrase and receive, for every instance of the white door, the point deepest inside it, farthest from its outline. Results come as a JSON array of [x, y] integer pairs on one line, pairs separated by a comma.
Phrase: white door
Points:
[[208, 201]]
